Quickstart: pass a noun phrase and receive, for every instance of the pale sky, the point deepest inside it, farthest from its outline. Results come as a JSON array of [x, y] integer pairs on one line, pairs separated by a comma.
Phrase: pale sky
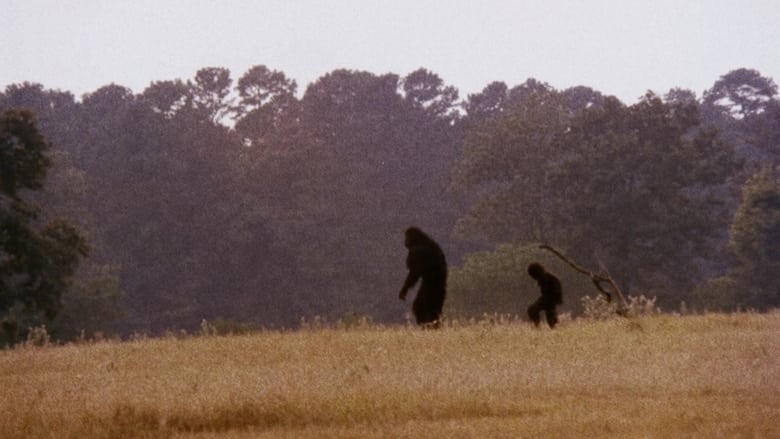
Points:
[[619, 47]]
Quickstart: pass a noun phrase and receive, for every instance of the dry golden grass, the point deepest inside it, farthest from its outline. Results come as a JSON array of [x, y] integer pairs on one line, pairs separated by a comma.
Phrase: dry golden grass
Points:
[[662, 376]]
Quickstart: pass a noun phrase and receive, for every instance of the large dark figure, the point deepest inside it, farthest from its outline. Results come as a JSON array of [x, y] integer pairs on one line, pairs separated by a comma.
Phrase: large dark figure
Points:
[[426, 261], [552, 295]]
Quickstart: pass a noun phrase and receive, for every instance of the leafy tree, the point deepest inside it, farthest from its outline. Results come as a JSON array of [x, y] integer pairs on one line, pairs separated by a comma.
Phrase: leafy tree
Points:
[[267, 112], [210, 92], [426, 90], [765, 133], [745, 108], [530, 88], [754, 235], [680, 96], [507, 164], [741, 93], [91, 305], [56, 112], [167, 97], [36, 260], [260, 86], [643, 190], [756, 227], [755, 241], [488, 104], [581, 98]]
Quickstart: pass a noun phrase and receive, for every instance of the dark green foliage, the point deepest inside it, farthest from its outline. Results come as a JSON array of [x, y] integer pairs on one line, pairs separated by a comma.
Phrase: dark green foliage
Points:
[[741, 93], [91, 305], [753, 281], [23, 162], [37, 260], [643, 188]]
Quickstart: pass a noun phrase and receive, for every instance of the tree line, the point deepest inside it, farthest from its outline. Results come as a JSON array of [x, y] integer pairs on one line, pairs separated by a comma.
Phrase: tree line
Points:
[[247, 201]]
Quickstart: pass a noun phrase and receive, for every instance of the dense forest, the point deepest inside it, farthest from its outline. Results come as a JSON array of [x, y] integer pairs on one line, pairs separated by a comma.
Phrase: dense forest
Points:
[[250, 202]]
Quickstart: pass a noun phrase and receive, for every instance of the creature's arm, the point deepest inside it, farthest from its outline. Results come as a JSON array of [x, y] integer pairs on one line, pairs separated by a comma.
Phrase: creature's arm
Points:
[[415, 272]]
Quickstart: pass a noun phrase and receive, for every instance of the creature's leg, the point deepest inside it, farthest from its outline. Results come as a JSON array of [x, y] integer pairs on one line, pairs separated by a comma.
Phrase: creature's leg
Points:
[[552, 316], [533, 313], [421, 309]]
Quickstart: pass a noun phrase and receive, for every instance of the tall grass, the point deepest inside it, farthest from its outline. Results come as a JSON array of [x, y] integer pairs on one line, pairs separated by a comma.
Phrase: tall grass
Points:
[[661, 376]]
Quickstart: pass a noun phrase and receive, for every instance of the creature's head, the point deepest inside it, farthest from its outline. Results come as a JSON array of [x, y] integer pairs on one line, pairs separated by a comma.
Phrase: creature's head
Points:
[[415, 236], [535, 270]]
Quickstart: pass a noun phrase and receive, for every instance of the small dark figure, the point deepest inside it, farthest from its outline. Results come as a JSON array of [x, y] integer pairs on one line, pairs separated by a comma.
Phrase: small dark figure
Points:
[[552, 295], [426, 260]]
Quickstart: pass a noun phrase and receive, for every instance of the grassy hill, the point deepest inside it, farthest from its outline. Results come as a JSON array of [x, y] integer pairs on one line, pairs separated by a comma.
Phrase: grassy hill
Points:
[[711, 375]]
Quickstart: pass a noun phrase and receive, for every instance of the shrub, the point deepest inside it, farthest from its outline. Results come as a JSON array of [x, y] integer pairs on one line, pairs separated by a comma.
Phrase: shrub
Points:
[[597, 308]]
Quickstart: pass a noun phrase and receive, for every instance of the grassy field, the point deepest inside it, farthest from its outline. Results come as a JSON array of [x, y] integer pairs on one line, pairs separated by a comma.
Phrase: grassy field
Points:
[[663, 376]]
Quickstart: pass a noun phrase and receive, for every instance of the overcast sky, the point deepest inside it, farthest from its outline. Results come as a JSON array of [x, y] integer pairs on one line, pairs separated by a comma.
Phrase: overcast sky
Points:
[[620, 47]]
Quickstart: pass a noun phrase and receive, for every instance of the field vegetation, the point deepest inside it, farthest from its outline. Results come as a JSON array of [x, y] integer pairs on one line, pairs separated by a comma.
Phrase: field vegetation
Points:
[[713, 375]]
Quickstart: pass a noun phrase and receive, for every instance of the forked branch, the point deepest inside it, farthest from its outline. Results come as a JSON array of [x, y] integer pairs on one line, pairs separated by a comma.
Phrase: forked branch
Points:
[[597, 279]]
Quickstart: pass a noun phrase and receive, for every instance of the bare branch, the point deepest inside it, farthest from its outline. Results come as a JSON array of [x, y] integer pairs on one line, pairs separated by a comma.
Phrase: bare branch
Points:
[[596, 278]]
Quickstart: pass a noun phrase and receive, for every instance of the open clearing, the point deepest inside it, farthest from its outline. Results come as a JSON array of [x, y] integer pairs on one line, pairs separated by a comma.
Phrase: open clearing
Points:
[[713, 375]]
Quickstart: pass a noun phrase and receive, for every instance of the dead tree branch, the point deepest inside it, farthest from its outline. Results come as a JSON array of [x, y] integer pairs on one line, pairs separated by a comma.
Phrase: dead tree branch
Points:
[[596, 278]]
